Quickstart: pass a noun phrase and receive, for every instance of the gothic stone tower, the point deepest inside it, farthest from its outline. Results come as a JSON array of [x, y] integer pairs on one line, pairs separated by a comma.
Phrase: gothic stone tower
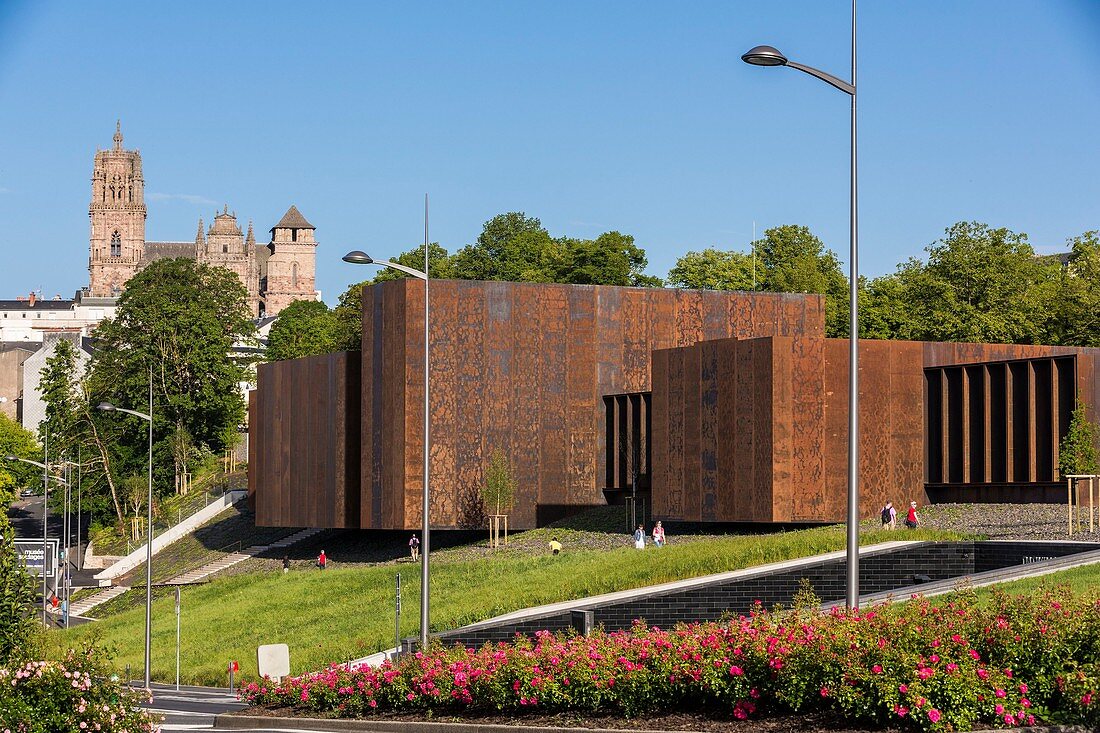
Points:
[[117, 215], [290, 269], [224, 245]]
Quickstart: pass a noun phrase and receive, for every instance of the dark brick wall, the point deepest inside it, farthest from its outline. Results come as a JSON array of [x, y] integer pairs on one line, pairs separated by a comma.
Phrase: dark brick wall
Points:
[[879, 572]]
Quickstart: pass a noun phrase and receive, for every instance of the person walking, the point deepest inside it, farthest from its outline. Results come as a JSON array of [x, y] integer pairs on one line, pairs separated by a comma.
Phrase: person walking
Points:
[[286, 564], [889, 516], [322, 560], [414, 547], [639, 538], [658, 535], [555, 546], [912, 519]]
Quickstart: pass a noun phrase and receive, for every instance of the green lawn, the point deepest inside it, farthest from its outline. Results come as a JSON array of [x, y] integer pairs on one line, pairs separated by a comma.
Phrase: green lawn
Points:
[[1085, 579], [339, 614]]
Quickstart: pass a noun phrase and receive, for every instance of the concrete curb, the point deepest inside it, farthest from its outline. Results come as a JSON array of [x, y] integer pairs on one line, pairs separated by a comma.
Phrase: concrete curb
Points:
[[235, 721]]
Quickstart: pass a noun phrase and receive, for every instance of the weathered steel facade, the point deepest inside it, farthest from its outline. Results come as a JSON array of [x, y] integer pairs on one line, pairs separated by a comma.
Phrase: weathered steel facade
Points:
[[303, 463], [729, 407], [523, 368], [757, 430]]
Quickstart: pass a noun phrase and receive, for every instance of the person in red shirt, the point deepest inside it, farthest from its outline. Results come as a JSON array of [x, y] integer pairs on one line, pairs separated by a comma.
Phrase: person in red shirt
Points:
[[322, 561], [912, 521]]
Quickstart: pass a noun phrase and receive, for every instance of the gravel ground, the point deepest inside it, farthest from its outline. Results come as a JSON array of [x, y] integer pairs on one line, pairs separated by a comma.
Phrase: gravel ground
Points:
[[1005, 521]]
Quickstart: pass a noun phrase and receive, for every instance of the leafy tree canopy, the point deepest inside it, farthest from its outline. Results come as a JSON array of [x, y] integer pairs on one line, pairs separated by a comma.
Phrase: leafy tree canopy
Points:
[[304, 328], [182, 320], [713, 269]]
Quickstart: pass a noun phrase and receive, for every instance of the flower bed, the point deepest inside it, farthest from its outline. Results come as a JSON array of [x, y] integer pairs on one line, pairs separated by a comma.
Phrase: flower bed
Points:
[[71, 695], [917, 665]]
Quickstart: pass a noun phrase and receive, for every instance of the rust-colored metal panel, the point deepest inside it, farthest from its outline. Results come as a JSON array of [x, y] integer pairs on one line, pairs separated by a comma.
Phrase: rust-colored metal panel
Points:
[[664, 502], [252, 458], [306, 442], [783, 436], [808, 421]]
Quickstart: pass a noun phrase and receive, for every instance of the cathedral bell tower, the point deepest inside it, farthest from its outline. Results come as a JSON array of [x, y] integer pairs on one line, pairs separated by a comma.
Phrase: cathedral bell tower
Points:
[[117, 214]]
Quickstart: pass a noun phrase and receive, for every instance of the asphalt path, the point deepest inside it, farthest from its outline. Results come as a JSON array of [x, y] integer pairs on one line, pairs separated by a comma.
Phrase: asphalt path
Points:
[[194, 708]]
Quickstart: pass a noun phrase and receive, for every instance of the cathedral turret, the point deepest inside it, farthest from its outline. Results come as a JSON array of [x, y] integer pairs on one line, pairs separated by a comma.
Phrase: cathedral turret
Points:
[[117, 213], [200, 237], [289, 271]]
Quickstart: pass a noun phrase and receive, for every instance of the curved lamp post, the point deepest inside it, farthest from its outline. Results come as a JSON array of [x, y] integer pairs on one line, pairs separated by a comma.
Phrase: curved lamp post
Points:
[[108, 407], [45, 519], [770, 56], [357, 257]]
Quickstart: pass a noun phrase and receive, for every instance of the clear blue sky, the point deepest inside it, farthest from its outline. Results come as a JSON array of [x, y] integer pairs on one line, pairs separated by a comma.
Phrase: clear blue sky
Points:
[[590, 115]]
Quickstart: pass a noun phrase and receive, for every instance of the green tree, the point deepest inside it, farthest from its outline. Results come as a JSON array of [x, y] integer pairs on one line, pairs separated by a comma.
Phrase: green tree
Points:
[[512, 247], [713, 269], [793, 260], [16, 585], [499, 488], [58, 382], [440, 266], [1070, 300], [610, 259], [979, 284], [180, 321], [304, 328], [1077, 453]]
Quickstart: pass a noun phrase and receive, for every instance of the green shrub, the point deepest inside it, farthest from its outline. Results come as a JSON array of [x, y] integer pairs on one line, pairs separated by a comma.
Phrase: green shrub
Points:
[[66, 696]]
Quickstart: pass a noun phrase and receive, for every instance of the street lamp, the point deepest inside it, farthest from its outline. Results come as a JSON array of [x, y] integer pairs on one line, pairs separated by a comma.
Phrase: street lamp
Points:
[[769, 56], [108, 407], [45, 518], [357, 257]]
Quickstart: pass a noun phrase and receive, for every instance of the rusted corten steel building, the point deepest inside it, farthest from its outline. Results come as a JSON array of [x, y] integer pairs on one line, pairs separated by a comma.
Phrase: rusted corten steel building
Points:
[[717, 406]]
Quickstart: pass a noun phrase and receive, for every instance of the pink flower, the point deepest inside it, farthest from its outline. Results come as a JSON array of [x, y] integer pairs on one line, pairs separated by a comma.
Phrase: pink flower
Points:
[[998, 708], [877, 669], [824, 691], [1086, 699], [736, 671], [901, 710], [983, 674], [903, 689], [934, 715], [999, 692]]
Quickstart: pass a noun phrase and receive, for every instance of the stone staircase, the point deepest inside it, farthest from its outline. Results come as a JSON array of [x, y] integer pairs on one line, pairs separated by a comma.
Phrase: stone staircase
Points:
[[81, 607], [193, 576]]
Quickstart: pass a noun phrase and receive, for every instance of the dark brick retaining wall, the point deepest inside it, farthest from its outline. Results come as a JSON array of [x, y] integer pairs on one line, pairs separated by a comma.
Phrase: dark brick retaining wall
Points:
[[900, 570]]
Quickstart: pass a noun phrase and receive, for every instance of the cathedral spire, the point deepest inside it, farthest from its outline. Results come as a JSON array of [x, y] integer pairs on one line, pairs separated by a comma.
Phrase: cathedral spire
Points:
[[199, 239], [250, 239], [118, 134]]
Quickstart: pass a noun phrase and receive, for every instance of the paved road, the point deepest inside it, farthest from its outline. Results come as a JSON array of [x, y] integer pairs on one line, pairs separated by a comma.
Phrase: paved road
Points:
[[194, 708]]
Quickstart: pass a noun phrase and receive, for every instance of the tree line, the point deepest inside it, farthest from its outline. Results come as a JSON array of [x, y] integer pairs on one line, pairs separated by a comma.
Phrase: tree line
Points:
[[977, 283]]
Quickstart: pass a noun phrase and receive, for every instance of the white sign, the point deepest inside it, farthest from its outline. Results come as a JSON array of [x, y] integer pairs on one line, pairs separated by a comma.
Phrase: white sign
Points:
[[273, 660]]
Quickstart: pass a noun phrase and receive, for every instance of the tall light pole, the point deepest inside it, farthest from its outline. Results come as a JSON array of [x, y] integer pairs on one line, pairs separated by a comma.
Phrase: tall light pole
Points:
[[45, 517], [362, 258], [769, 56], [108, 407]]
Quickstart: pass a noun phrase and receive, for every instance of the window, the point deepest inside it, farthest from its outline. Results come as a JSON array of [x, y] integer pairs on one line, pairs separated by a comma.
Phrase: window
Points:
[[294, 276], [116, 244]]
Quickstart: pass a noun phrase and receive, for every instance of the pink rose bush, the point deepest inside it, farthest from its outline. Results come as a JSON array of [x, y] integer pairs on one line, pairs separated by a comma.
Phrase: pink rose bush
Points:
[[70, 695], [917, 665]]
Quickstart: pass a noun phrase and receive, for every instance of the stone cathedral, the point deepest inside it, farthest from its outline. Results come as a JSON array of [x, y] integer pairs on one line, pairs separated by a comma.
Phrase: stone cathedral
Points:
[[274, 274]]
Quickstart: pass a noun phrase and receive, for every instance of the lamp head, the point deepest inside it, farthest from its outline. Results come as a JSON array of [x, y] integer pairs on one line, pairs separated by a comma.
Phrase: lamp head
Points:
[[105, 406], [356, 257], [764, 56]]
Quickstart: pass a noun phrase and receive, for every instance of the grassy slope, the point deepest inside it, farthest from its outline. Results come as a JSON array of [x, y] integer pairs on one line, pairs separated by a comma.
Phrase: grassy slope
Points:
[[338, 614], [1081, 580]]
